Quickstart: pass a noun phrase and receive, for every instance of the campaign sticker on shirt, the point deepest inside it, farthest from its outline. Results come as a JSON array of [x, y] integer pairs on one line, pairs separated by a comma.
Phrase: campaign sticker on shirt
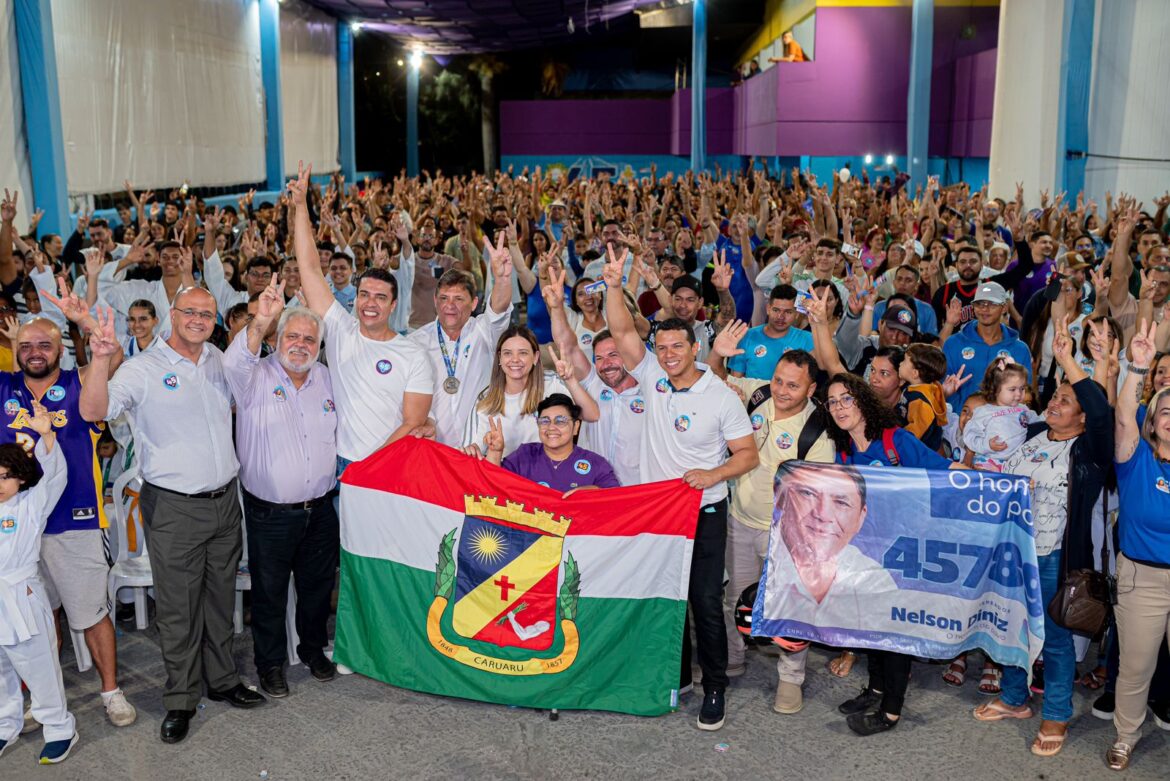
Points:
[[877, 463], [1086, 308], [662, 386], [279, 394], [606, 394], [637, 406], [170, 381], [1023, 420], [8, 525], [586, 339], [582, 467], [1004, 354], [55, 393], [760, 351], [968, 353], [784, 441], [757, 421], [466, 349], [383, 366], [328, 406], [1039, 457], [682, 423], [546, 485], [1162, 485], [11, 407]]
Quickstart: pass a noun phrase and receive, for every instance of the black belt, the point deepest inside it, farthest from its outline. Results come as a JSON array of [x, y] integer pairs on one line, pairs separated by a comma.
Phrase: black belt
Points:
[[213, 494], [309, 504]]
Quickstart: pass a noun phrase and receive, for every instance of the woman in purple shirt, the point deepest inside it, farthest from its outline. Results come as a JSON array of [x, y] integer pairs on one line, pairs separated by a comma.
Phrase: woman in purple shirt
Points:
[[555, 461]]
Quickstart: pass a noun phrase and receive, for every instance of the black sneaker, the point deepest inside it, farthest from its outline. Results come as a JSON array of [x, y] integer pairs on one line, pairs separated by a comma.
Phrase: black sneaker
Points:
[[273, 682], [1037, 678], [870, 723], [322, 669], [711, 714], [867, 700], [1161, 711], [1103, 706]]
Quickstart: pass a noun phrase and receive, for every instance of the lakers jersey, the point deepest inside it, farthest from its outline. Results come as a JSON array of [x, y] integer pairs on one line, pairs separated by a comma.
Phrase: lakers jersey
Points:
[[81, 506]]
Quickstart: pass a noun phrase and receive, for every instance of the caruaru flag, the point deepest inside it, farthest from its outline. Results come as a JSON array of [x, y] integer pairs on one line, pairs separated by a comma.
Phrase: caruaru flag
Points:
[[922, 562], [462, 579]]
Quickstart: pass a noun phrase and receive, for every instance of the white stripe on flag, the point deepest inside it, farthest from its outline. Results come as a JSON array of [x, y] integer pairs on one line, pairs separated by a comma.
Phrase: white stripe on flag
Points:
[[636, 567]]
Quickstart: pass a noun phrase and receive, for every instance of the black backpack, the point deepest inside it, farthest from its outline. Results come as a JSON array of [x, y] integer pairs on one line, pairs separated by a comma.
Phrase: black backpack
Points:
[[813, 427]]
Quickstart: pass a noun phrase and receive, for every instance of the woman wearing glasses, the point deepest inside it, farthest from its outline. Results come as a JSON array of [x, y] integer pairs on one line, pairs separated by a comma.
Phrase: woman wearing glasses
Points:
[[555, 461], [866, 432]]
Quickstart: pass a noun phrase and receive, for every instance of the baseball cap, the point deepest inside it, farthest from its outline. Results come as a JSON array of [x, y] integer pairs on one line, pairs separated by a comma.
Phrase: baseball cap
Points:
[[901, 318], [991, 291], [686, 281]]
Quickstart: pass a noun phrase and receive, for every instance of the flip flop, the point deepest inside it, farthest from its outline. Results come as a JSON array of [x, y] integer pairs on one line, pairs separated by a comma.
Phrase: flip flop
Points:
[[956, 672], [841, 665], [989, 681], [1056, 741], [997, 711], [1094, 679]]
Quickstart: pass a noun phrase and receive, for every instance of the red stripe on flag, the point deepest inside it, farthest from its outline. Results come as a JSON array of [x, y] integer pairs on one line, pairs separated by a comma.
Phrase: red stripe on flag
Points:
[[430, 472]]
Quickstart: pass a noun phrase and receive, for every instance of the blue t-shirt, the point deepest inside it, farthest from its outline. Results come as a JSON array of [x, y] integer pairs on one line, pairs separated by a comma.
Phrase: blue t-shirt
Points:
[[539, 319], [761, 352], [1143, 488], [911, 453], [741, 287]]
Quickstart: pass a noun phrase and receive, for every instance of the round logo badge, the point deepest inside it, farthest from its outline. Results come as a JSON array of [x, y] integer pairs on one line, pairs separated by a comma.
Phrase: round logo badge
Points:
[[11, 407], [662, 386], [582, 467], [7, 525], [1004, 354], [328, 406], [170, 381], [757, 421], [637, 406], [279, 393], [784, 441], [1162, 485], [760, 351], [606, 394], [55, 393], [903, 316], [383, 366], [876, 463], [586, 339], [682, 423], [968, 353], [1023, 420], [1039, 457]]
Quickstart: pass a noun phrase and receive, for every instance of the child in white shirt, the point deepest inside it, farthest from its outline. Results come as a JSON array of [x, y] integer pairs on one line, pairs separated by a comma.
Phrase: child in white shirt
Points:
[[999, 427]]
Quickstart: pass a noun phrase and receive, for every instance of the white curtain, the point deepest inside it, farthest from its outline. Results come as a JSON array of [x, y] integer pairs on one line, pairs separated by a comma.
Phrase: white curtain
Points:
[[308, 87], [14, 170], [159, 91]]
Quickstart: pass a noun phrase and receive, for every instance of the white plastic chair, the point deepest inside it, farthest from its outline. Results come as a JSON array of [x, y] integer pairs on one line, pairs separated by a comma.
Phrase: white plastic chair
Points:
[[128, 544], [290, 624], [80, 651], [243, 575]]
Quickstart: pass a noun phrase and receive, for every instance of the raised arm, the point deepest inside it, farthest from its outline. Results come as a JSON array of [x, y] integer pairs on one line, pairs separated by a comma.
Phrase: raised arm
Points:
[[313, 284], [567, 372], [563, 336], [721, 279], [618, 318], [1126, 430], [8, 271]]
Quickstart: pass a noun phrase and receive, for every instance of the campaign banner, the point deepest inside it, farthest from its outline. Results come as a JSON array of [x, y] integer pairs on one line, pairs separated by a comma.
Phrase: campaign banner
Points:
[[463, 579], [922, 562]]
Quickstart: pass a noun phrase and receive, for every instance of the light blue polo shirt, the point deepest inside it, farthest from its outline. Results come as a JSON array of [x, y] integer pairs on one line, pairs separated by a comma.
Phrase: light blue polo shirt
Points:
[[761, 352]]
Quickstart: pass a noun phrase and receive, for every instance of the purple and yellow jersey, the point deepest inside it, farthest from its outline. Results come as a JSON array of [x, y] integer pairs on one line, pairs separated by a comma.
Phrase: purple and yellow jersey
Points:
[[81, 506]]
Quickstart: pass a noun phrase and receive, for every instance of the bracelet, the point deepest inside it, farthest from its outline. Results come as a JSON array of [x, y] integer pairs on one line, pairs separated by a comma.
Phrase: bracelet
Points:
[[655, 288], [1138, 371], [868, 308]]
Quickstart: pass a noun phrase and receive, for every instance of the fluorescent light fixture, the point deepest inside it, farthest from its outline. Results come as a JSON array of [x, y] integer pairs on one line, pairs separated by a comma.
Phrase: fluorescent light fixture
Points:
[[416, 58]]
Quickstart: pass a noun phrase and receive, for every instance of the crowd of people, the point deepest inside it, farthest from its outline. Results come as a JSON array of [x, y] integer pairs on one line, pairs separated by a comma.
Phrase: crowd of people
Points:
[[638, 328]]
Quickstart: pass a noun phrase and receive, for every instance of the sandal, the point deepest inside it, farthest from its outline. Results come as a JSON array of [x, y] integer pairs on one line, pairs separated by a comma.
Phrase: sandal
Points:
[[1054, 742], [997, 710], [989, 681], [1118, 755], [1094, 679], [956, 672], [842, 664]]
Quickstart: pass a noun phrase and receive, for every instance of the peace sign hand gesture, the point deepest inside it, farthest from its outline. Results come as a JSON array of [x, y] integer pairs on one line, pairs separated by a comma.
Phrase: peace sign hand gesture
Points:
[[71, 305], [298, 188], [270, 303], [723, 272], [493, 440], [500, 258], [103, 339], [1141, 346], [563, 368], [554, 291]]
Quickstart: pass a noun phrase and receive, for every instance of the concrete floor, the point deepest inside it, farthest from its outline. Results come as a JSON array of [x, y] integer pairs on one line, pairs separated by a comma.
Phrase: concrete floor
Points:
[[357, 728]]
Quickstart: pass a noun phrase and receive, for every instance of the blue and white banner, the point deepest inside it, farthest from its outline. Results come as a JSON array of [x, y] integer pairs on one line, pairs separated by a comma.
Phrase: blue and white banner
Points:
[[922, 562]]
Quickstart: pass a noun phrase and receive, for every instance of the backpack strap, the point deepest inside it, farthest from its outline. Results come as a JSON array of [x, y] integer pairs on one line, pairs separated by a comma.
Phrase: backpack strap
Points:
[[758, 397], [810, 432], [888, 446]]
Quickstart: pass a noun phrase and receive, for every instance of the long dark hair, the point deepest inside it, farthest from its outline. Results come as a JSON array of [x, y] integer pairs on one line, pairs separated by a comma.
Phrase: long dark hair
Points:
[[878, 417]]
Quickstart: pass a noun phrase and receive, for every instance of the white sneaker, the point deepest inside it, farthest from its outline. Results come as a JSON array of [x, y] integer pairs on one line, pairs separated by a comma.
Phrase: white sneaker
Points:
[[30, 724], [120, 712]]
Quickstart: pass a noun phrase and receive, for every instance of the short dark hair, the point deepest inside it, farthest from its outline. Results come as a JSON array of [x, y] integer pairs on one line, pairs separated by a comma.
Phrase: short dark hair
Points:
[[930, 362], [968, 248], [454, 277], [559, 400], [99, 223], [917, 274], [832, 244], [802, 358], [169, 244], [143, 303], [601, 336], [379, 275], [782, 293], [675, 324], [20, 464], [261, 260], [325, 245], [237, 310]]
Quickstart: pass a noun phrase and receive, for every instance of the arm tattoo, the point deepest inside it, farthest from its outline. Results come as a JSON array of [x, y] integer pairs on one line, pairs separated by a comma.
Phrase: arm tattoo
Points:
[[726, 308]]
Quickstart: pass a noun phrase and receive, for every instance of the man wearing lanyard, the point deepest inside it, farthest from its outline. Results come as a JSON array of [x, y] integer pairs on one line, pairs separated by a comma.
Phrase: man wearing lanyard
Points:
[[286, 440], [181, 403], [462, 347], [693, 419]]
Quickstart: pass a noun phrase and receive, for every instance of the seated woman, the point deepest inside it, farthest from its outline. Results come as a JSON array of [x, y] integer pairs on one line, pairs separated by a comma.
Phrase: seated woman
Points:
[[555, 461]]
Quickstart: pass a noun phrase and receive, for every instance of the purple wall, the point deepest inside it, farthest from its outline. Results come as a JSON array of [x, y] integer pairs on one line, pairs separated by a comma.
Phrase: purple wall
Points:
[[851, 100]]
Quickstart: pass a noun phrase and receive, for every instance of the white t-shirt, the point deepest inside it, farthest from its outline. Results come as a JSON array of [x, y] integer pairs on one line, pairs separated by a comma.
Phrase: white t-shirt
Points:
[[688, 429], [617, 434], [584, 335], [369, 380], [471, 357], [519, 428], [1046, 462]]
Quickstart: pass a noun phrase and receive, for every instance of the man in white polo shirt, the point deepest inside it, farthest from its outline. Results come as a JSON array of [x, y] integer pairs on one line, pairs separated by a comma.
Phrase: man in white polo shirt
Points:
[[693, 419], [461, 348], [382, 383]]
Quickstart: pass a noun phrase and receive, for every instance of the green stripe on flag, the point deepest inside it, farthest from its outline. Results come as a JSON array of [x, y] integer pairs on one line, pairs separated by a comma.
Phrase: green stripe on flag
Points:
[[628, 659]]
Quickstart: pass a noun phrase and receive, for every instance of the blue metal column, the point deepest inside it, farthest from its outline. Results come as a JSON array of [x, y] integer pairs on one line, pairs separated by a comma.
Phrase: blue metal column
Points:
[[1076, 74], [918, 98], [346, 145], [412, 118], [270, 75], [699, 86], [42, 113]]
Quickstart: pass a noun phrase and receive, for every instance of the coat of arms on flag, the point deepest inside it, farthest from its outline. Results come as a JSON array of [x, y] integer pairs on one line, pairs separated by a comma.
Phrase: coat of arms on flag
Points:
[[501, 586]]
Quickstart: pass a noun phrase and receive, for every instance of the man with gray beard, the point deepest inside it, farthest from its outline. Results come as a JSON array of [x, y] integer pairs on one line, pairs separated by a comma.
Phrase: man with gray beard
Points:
[[286, 426]]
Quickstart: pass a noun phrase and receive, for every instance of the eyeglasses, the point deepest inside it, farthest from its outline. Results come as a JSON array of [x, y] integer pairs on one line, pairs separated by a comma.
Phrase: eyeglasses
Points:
[[208, 316], [845, 402], [258, 274], [560, 421]]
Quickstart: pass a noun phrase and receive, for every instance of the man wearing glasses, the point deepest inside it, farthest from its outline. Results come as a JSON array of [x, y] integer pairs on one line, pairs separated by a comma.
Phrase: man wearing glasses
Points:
[[181, 403]]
